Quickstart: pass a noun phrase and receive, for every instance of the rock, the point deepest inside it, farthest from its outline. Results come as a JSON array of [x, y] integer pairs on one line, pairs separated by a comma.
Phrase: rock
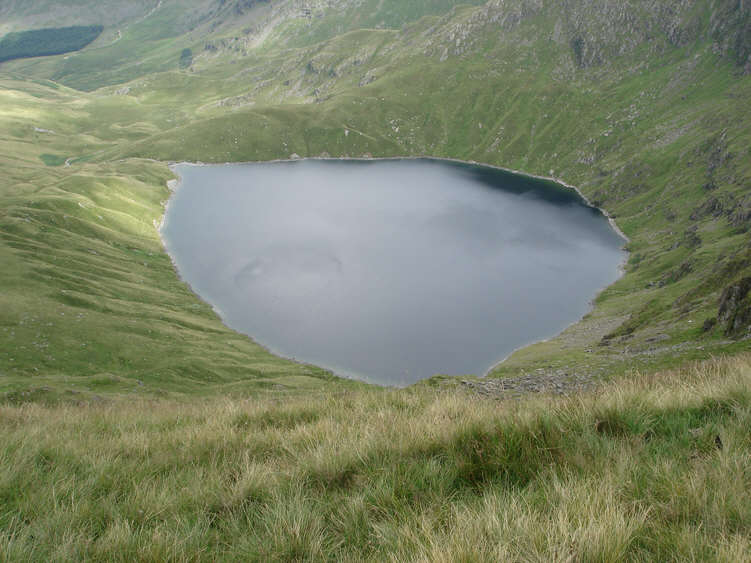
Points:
[[690, 238], [711, 207], [740, 215], [368, 78], [677, 274], [558, 383], [735, 308]]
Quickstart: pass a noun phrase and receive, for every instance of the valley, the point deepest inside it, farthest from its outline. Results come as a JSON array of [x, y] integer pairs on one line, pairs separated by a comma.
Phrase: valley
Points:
[[643, 106], [659, 142]]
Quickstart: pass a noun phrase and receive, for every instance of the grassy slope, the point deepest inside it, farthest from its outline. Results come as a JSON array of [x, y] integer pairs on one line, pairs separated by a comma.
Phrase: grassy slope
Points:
[[650, 469], [19, 15], [638, 138], [90, 301]]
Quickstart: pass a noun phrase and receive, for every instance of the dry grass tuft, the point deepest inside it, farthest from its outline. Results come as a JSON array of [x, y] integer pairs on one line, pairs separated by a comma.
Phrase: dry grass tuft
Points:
[[653, 468]]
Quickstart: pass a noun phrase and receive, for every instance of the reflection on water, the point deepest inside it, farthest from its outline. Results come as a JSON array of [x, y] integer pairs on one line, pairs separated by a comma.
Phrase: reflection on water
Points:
[[390, 271]]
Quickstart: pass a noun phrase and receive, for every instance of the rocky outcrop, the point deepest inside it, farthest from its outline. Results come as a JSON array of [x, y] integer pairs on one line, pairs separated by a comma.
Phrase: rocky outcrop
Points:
[[731, 29], [597, 31], [740, 214], [556, 383], [712, 207], [690, 239], [676, 274], [736, 211], [735, 308]]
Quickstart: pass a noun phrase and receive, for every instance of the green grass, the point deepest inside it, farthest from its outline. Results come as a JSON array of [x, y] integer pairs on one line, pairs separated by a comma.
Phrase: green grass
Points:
[[651, 468], [52, 159], [91, 304]]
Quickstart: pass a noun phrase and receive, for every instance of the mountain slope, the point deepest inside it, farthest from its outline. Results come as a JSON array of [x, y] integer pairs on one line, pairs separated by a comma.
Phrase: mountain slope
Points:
[[639, 104]]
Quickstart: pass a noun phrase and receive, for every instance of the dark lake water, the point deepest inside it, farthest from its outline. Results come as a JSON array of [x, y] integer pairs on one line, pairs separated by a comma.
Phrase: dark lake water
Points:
[[389, 271]]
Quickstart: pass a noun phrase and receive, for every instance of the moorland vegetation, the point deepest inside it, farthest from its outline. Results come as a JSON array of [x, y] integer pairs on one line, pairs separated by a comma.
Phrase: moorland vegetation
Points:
[[136, 425]]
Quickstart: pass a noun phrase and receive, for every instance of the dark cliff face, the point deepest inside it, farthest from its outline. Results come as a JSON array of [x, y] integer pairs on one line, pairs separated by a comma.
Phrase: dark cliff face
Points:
[[735, 308]]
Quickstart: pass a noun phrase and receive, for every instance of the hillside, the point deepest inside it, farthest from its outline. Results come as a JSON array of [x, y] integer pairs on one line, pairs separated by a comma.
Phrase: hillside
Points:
[[640, 105]]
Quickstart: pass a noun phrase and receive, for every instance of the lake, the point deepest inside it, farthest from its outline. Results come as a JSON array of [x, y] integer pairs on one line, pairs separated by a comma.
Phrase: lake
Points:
[[389, 271]]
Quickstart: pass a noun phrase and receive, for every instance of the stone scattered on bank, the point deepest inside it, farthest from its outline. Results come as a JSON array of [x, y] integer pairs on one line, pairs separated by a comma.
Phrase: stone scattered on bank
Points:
[[513, 387]]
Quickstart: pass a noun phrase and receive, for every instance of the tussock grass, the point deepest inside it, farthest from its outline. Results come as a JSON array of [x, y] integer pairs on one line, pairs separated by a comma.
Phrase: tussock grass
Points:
[[653, 468]]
